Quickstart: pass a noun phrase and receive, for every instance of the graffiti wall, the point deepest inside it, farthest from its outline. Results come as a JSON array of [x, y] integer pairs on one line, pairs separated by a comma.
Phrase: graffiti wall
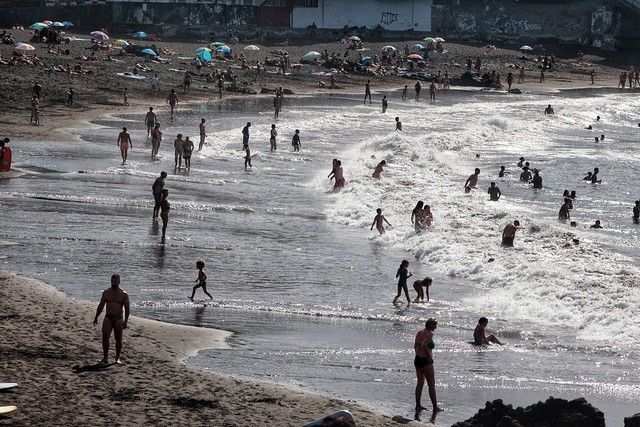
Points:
[[395, 15]]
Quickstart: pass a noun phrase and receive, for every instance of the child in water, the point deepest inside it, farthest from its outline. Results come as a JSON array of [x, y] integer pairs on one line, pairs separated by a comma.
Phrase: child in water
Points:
[[403, 274], [201, 280], [379, 221]]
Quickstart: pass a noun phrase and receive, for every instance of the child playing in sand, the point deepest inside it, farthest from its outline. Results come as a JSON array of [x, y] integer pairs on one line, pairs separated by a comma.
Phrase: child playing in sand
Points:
[[379, 221], [201, 280], [420, 287]]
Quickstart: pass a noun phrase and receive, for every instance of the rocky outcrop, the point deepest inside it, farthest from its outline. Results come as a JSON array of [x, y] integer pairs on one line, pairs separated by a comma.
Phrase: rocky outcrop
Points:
[[552, 413]]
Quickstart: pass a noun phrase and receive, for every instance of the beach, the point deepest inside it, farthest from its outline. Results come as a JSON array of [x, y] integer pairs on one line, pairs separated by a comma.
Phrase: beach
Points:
[[299, 282]]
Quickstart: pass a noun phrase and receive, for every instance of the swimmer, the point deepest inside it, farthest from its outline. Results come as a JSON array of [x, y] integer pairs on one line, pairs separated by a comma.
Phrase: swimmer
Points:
[[588, 177], [416, 216], [404, 93], [549, 111], [503, 172], [399, 124], [564, 213], [201, 280], [601, 138], [339, 176], [521, 162], [418, 88], [594, 176], [596, 225], [426, 217], [334, 165], [379, 169], [124, 142], [402, 274], [422, 286], [178, 148], [367, 91], [423, 363], [509, 233], [536, 180], [472, 181], [525, 176], [494, 192], [479, 337], [597, 140], [379, 221]]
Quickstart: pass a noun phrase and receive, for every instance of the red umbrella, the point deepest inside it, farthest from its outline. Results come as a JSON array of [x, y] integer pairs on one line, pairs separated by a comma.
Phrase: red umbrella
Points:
[[414, 57]]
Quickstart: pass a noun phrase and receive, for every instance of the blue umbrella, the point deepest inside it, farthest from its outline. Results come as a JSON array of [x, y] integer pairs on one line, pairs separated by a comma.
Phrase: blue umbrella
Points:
[[205, 56], [223, 50], [416, 47], [148, 52], [366, 60], [38, 26], [140, 35], [68, 24], [58, 25]]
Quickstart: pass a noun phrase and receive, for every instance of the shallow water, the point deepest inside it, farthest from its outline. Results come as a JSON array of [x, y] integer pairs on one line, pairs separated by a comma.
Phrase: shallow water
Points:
[[305, 285]]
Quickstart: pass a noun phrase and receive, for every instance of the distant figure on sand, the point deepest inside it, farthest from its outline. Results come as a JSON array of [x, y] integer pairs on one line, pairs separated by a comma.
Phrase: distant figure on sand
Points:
[[203, 133], [124, 142], [165, 206], [115, 299], [422, 286], [472, 181], [367, 91], [156, 188], [548, 111], [509, 233], [295, 141], [201, 280], [402, 275], [156, 138], [423, 362], [379, 169], [150, 120], [379, 221], [172, 100], [479, 337], [398, 124], [494, 192], [178, 147]]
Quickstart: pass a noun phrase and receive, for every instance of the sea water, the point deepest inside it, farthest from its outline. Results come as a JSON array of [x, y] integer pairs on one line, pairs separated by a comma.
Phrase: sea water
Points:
[[307, 287]]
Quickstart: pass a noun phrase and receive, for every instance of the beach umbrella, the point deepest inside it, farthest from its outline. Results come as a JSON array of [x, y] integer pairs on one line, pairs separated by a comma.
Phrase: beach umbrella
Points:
[[525, 47], [429, 39], [416, 47], [388, 49], [67, 23], [280, 52], [414, 57], [366, 60], [99, 35], [140, 35], [362, 49], [47, 22], [203, 49], [251, 47], [216, 44], [355, 39], [121, 43], [311, 56], [38, 26], [148, 52], [24, 47], [225, 50], [205, 56], [440, 39], [57, 25]]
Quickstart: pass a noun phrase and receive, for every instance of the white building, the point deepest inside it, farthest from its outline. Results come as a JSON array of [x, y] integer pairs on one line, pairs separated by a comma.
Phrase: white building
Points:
[[395, 15]]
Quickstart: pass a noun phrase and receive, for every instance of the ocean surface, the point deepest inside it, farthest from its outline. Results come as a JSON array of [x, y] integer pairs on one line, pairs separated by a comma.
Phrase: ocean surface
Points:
[[304, 284]]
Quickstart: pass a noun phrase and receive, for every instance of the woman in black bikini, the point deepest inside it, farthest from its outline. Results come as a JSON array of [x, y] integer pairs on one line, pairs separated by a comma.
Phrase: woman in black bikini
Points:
[[423, 363]]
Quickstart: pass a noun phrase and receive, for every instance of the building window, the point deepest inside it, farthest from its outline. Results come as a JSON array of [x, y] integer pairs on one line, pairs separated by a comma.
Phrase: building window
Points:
[[306, 3]]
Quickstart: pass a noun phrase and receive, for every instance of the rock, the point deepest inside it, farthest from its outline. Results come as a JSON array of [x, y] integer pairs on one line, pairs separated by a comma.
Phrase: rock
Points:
[[633, 421], [575, 413]]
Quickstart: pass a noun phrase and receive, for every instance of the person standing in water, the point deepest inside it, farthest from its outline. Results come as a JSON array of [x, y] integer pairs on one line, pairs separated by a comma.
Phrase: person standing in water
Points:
[[423, 362], [165, 206], [187, 150], [367, 91], [418, 88], [472, 181], [178, 147], [156, 138], [156, 188], [245, 136], [379, 221], [272, 140], [564, 213], [509, 233], [338, 175], [385, 104], [247, 159], [295, 141], [172, 100], [536, 180], [432, 92], [124, 142], [403, 274], [549, 111], [398, 124], [416, 216], [420, 286], [404, 93], [201, 280], [334, 165], [203, 133], [636, 212], [379, 169], [150, 120], [594, 176], [494, 192], [115, 299]]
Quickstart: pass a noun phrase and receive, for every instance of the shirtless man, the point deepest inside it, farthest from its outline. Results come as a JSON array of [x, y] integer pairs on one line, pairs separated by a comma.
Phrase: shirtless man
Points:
[[423, 362], [548, 111], [245, 136], [150, 120], [420, 286], [115, 299], [338, 175], [272, 139], [494, 192], [509, 233], [432, 92], [178, 148], [156, 188], [124, 142], [597, 224], [472, 181], [418, 88], [172, 100], [367, 91], [636, 212], [379, 221], [295, 141], [564, 211], [479, 337], [379, 169], [203, 134], [398, 124], [594, 176], [503, 172], [536, 180], [385, 104], [156, 138], [525, 176], [165, 206]]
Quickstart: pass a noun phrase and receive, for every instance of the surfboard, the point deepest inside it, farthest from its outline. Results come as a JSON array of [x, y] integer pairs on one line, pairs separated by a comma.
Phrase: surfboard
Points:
[[6, 409], [7, 386]]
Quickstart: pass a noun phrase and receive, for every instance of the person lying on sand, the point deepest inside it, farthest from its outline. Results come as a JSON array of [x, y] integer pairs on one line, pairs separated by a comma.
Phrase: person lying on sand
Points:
[[479, 337]]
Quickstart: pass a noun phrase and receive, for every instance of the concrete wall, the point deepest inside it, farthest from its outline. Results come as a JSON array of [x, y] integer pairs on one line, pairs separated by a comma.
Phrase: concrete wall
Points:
[[394, 15]]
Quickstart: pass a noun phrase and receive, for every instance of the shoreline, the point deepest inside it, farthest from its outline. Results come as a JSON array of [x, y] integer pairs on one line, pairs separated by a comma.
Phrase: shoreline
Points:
[[61, 350]]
